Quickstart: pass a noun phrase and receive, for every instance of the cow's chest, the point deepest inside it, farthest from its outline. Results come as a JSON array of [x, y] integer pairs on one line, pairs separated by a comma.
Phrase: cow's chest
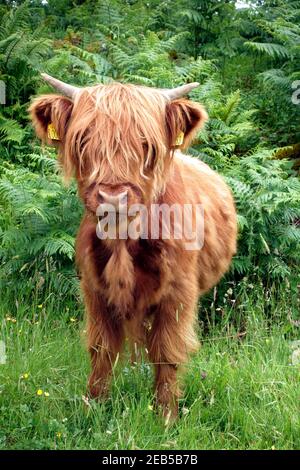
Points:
[[130, 277]]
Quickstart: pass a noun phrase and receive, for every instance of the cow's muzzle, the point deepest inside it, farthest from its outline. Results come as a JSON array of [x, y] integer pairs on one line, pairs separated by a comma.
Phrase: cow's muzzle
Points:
[[116, 203]]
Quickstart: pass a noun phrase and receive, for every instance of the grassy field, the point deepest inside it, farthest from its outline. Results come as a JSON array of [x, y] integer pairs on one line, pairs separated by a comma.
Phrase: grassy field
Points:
[[242, 388]]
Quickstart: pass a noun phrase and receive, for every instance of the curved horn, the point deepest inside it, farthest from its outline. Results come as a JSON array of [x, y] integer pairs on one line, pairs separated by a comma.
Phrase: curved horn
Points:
[[64, 88], [174, 93]]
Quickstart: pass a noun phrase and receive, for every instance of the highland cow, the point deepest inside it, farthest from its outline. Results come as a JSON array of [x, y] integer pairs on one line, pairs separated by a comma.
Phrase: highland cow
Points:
[[123, 145]]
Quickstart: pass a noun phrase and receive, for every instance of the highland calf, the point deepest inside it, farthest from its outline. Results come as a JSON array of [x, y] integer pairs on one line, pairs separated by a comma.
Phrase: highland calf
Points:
[[123, 145]]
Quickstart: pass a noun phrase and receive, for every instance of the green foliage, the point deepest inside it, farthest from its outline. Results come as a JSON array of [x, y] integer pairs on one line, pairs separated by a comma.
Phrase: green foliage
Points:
[[274, 46], [22, 51], [38, 222], [246, 61], [268, 202], [271, 49]]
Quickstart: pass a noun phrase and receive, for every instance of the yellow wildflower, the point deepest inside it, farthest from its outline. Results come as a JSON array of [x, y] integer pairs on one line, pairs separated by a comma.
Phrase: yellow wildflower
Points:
[[46, 394], [13, 320], [40, 306], [39, 392], [72, 319], [25, 376]]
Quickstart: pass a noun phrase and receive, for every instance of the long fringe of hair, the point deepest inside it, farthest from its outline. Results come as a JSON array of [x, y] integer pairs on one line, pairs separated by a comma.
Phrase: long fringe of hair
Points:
[[118, 133]]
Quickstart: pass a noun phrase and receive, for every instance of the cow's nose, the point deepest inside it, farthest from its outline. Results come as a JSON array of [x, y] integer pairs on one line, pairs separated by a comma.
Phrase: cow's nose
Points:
[[116, 202]]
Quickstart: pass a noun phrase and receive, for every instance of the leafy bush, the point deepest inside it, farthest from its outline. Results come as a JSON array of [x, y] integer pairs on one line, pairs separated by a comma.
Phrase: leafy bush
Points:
[[268, 203], [245, 68], [39, 219]]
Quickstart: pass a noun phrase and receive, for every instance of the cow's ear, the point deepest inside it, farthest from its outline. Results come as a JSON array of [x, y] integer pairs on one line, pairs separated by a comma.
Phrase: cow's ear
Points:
[[184, 118], [50, 115]]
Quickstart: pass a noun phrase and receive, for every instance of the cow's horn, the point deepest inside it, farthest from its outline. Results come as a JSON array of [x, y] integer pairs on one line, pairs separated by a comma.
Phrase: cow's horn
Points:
[[174, 93], [64, 88]]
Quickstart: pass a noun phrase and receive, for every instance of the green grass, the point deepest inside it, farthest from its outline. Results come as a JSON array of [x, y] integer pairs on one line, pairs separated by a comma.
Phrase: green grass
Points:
[[241, 391]]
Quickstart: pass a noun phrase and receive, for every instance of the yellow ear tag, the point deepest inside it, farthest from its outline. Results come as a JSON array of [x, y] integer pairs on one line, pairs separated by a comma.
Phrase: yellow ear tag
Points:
[[180, 139], [52, 134]]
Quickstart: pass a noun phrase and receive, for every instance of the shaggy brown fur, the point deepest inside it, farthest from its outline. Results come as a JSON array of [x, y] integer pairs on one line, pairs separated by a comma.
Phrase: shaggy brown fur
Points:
[[121, 137]]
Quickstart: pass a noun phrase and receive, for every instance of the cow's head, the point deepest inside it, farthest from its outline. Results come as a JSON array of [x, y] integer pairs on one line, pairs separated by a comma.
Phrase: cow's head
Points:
[[116, 139]]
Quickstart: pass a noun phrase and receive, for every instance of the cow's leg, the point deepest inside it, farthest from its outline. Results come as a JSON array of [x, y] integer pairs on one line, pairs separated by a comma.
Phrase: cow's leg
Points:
[[135, 332], [105, 339], [171, 339]]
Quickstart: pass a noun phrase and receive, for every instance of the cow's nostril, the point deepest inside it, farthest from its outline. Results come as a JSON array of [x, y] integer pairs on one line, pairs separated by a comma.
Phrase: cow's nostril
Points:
[[100, 197], [123, 197]]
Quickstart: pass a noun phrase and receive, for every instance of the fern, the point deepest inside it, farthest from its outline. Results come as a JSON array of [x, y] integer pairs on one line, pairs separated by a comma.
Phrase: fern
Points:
[[10, 131], [39, 220], [270, 49]]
